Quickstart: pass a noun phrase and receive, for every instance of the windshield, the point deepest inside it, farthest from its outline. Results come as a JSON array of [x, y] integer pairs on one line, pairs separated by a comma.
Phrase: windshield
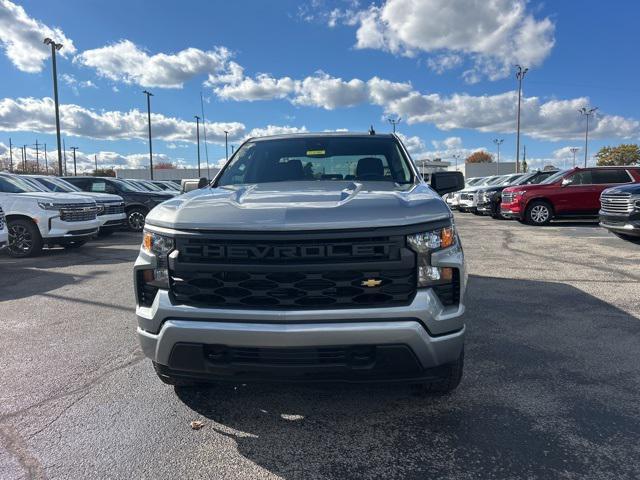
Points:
[[129, 186], [150, 186], [17, 185], [493, 181], [56, 184], [509, 180], [474, 181], [555, 177], [318, 159]]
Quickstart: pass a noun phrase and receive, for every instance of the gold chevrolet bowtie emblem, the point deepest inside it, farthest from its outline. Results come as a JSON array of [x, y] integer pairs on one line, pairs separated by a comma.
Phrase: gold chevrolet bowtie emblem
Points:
[[372, 282]]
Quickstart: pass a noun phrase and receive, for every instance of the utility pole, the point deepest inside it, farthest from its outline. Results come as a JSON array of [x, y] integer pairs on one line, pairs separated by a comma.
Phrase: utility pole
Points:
[[394, 121], [456, 156], [149, 95], [10, 155], [574, 150], [95, 159], [74, 160], [204, 130], [64, 152], [524, 157], [233, 147], [587, 112], [54, 48], [37, 156], [498, 142], [226, 145], [198, 141], [520, 76], [46, 161], [24, 159]]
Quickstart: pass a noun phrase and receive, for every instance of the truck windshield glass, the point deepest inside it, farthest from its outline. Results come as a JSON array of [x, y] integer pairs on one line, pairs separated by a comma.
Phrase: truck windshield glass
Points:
[[16, 185], [318, 159], [56, 185]]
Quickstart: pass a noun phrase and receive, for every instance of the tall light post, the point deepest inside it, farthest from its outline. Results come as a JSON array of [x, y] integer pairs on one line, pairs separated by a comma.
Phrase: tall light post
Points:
[[54, 48], [233, 148], [198, 140], [394, 121], [75, 172], [587, 112], [37, 145], [519, 76], [226, 144], [574, 150], [149, 95], [46, 161], [456, 156], [498, 142], [10, 155]]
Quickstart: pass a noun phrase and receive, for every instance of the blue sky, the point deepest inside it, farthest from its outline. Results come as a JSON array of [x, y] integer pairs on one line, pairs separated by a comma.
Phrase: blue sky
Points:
[[445, 66]]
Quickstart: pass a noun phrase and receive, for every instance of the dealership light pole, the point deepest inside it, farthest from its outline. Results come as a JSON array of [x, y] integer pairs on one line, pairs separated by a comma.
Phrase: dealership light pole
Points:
[[149, 95], [46, 161], [10, 155], [226, 144], [198, 140], [54, 48], [37, 156], [74, 160], [394, 121], [24, 158], [456, 156], [498, 142], [587, 112], [519, 76], [64, 153], [574, 150]]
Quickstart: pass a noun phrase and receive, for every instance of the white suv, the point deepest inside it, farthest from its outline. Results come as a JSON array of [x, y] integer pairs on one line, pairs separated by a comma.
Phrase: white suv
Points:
[[35, 218], [4, 236], [110, 207]]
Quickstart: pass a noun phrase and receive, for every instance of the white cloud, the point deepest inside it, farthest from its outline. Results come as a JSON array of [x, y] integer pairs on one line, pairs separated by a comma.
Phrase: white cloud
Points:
[[444, 62], [275, 130], [37, 115], [22, 37], [75, 85], [493, 35], [449, 143], [329, 93], [126, 62], [263, 87]]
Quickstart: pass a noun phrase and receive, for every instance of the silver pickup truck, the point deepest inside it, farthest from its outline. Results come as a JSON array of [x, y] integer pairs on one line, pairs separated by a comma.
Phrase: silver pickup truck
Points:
[[310, 257]]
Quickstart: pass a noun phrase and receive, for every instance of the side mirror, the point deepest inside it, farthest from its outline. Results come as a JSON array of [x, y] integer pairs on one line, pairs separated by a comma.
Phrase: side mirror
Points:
[[447, 182], [566, 181], [189, 184]]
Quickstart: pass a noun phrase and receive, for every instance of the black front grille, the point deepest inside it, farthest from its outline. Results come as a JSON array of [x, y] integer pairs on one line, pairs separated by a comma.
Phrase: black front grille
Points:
[[293, 273], [112, 208], [449, 293], [78, 212], [323, 356]]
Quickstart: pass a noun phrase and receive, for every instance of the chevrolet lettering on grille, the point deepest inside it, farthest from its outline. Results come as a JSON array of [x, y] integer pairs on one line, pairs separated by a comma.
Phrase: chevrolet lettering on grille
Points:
[[276, 252]]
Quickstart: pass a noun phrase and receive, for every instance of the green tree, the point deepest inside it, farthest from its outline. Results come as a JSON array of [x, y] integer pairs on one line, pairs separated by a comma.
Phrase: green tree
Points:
[[625, 154], [480, 157]]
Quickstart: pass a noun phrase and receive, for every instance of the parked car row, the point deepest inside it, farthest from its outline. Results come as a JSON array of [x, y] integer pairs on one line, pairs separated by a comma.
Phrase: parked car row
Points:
[[38, 210], [611, 194]]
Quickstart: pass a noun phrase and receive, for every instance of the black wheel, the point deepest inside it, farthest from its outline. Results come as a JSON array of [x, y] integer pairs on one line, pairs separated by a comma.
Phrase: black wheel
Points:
[[135, 219], [169, 380], [538, 212], [447, 383], [105, 232], [75, 243], [24, 238]]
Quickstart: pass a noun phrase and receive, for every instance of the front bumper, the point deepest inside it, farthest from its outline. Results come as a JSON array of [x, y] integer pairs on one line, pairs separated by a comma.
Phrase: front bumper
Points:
[[115, 220], [431, 332], [626, 224], [511, 211], [53, 228]]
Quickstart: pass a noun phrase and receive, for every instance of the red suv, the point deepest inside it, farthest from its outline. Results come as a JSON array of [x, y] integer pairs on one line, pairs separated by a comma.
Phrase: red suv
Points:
[[573, 193]]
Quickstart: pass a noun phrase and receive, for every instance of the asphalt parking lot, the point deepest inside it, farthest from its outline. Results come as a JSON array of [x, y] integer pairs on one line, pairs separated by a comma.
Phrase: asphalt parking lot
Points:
[[551, 385]]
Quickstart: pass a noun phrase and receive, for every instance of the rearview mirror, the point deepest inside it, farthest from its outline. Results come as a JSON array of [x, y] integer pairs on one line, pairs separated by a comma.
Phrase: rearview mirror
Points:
[[447, 182]]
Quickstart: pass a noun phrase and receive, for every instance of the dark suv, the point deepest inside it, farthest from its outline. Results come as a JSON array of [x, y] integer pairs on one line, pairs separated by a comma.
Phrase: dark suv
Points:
[[620, 211], [490, 198], [137, 203]]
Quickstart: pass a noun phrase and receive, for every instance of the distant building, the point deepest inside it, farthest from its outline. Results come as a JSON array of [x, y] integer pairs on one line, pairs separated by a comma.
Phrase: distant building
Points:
[[165, 173], [471, 170], [427, 166]]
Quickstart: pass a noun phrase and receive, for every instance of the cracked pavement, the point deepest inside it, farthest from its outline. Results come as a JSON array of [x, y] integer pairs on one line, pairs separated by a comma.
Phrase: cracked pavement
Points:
[[551, 384]]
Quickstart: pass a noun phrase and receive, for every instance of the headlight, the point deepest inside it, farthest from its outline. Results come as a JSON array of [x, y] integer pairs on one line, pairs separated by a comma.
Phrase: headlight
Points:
[[160, 246], [424, 244], [49, 206]]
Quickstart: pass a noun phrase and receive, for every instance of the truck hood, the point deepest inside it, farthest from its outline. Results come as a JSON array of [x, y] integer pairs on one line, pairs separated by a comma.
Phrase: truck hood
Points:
[[306, 205], [57, 197], [633, 189]]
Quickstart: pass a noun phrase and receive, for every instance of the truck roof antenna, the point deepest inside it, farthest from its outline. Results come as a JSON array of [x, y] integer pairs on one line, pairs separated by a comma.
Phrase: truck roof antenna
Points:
[[371, 130]]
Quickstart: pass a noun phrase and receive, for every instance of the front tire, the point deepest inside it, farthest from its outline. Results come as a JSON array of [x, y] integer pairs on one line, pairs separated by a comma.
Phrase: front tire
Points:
[[539, 213], [24, 238], [135, 219]]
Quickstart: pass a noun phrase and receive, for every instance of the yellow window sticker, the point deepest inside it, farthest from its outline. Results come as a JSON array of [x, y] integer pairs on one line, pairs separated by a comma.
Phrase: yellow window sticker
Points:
[[311, 153]]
